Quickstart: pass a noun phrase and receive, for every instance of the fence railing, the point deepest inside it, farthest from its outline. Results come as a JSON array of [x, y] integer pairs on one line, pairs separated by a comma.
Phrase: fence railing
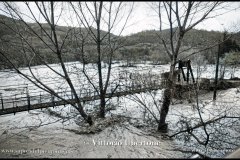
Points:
[[129, 83]]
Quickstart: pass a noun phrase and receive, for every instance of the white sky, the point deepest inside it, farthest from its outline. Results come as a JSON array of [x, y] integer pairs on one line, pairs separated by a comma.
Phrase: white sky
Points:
[[144, 18]]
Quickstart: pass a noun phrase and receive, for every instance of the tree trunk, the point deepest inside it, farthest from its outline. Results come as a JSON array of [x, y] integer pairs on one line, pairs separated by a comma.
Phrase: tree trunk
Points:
[[216, 74], [86, 117], [167, 96], [102, 105], [101, 89], [162, 126]]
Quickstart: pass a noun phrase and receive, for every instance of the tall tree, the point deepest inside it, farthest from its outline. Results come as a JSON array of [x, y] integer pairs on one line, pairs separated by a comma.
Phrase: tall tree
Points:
[[96, 22], [101, 19], [180, 18], [49, 37]]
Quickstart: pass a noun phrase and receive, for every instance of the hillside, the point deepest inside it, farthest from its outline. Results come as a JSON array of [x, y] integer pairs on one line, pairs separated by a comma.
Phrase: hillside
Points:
[[137, 47]]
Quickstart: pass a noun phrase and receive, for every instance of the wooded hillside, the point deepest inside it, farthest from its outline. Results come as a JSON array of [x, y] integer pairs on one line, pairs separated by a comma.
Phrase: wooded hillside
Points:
[[135, 48]]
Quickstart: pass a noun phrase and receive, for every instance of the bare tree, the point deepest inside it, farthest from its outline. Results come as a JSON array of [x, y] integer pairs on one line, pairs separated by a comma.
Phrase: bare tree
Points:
[[96, 22], [97, 17], [25, 32], [180, 18], [210, 127]]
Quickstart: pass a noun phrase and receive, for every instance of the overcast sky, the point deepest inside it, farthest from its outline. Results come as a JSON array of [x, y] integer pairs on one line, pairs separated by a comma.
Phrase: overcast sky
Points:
[[144, 18]]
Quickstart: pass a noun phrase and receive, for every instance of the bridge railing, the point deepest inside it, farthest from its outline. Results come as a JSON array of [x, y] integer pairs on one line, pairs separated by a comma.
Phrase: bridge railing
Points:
[[128, 82]]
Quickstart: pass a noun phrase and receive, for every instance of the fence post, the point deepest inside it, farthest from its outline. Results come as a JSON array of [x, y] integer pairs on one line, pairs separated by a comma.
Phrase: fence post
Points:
[[13, 102], [52, 100], [15, 97], [28, 98], [179, 67], [188, 69], [2, 101], [40, 97]]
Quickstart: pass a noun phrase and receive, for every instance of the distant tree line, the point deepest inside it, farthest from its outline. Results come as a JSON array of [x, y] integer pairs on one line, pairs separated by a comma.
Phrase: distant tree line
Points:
[[140, 47]]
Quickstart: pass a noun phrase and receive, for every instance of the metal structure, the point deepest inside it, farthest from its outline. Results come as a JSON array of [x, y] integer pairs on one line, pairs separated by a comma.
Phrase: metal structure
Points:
[[187, 65]]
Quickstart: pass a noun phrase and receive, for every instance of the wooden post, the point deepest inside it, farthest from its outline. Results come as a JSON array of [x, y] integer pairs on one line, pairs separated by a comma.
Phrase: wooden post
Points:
[[40, 98], [15, 96], [179, 67], [188, 63], [190, 68], [28, 97], [52, 97], [2, 101]]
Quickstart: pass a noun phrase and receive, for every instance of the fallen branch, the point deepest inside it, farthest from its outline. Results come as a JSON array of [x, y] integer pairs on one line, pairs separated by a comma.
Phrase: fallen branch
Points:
[[198, 125]]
